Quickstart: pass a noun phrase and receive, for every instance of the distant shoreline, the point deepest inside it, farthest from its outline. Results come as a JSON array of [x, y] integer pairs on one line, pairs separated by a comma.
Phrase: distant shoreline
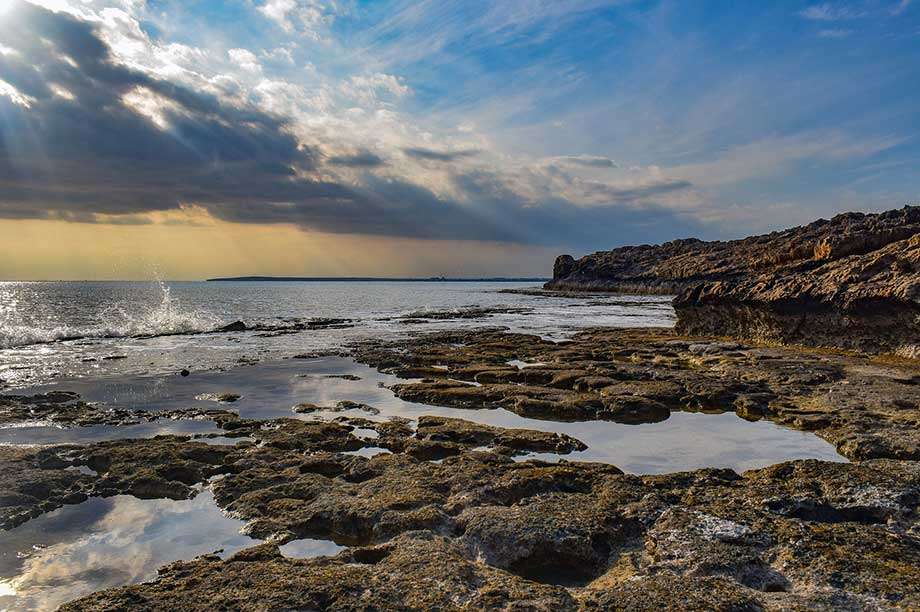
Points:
[[371, 279]]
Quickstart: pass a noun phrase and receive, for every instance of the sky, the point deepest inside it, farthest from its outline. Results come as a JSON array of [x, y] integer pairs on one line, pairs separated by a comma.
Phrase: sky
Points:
[[191, 138]]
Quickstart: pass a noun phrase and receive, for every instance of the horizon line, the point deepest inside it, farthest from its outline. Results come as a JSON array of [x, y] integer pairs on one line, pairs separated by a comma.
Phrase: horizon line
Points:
[[379, 278]]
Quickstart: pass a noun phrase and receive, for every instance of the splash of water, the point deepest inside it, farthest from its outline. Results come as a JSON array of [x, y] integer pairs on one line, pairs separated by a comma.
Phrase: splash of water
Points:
[[163, 318]]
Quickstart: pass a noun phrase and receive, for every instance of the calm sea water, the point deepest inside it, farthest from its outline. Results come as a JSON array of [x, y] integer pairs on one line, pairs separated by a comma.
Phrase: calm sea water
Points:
[[50, 330]]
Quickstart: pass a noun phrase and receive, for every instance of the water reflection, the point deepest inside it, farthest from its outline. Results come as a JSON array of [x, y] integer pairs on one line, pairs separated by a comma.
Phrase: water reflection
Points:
[[108, 542], [306, 548], [50, 434], [685, 441]]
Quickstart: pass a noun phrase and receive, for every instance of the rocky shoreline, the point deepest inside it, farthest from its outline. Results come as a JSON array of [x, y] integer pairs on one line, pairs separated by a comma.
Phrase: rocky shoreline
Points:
[[850, 282], [452, 517]]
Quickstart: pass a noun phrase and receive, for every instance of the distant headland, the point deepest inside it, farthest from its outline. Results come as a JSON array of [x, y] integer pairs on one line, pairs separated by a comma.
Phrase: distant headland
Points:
[[371, 279]]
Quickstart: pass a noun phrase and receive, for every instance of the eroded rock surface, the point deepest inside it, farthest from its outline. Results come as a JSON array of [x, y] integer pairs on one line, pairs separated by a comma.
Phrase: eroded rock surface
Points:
[[851, 282], [448, 520], [67, 409], [481, 531], [867, 408]]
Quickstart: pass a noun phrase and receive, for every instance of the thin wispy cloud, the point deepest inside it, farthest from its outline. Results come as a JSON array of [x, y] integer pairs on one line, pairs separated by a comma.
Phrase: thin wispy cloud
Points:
[[835, 33], [900, 7], [439, 156], [831, 12], [590, 161]]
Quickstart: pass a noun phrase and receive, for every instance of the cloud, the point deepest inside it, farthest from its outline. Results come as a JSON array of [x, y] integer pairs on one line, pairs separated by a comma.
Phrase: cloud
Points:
[[125, 144], [307, 17], [245, 59], [590, 161], [106, 123], [837, 33], [372, 88], [362, 159], [15, 96], [900, 7], [424, 154], [829, 12]]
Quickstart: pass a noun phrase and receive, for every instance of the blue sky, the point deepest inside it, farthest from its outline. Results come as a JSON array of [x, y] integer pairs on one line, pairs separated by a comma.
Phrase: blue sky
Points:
[[543, 125]]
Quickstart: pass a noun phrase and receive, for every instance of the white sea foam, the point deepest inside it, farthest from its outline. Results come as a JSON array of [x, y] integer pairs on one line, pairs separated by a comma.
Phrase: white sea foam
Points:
[[160, 319]]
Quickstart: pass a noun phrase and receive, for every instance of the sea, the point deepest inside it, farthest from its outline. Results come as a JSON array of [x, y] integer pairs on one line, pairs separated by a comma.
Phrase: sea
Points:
[[125, 344], [55, 330]]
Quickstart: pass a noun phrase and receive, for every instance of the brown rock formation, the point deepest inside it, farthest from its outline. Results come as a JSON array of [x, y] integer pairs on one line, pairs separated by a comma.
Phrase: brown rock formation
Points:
[[851, 282], [479, 530]]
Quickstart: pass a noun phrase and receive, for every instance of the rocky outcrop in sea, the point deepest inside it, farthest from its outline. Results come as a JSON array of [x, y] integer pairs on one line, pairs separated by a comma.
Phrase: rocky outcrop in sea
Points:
[[851, 282]]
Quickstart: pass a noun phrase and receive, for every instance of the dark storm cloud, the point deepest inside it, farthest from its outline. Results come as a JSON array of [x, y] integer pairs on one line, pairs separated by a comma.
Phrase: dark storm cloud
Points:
[[95, 154], [72, 159], [364, 159], [439, 156]]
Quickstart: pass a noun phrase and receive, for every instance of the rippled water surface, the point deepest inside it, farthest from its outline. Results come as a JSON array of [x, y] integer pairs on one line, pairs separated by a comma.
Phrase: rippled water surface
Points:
[[65, 329]]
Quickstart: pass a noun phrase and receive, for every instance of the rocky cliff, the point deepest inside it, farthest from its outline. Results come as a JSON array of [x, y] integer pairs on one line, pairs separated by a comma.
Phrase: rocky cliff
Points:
[[851, 282]]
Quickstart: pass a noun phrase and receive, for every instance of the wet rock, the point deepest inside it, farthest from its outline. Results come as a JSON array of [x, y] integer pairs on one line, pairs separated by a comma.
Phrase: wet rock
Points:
[[306, 408], [329, 323], [585, 535], [439, 437], [865, 407], [417, 572], [342, 406], [161, 467], [64, 408], [479, 530], [694, 543], [236, 326], [673, 592], [223, 398], [631, 409], [31, 484], [555, 538], [68, 410], [470, 312], [34, 481], [294, 434]]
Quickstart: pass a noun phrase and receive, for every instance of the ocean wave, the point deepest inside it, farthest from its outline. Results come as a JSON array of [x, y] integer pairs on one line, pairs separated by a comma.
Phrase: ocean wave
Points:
[[167, 318]]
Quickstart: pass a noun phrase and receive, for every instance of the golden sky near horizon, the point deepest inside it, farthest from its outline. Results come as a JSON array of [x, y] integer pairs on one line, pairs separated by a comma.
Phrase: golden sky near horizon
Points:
[[60, 250]]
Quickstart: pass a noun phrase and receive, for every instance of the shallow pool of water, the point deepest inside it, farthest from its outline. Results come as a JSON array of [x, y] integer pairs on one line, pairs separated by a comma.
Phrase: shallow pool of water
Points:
[[51, 434], [106, 542], [685, 441]]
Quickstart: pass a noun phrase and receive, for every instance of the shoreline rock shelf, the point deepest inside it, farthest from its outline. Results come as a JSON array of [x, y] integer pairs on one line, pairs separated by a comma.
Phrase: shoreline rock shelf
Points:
[[480, 531], [867, 407], [851, 282], [450, 520]]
